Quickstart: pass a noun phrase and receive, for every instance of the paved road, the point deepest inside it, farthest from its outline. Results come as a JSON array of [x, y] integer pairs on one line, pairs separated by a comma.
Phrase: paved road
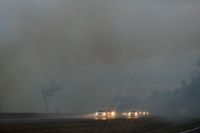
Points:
[[86, 126], [195, 130], [31, 118], [37, 117]]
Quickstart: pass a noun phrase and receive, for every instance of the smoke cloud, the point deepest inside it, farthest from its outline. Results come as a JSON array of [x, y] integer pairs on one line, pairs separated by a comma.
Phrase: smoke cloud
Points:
[[96, 48]]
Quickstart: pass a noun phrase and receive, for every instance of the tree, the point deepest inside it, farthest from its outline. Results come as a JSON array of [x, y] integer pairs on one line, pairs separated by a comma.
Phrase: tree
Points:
[[49, 90]]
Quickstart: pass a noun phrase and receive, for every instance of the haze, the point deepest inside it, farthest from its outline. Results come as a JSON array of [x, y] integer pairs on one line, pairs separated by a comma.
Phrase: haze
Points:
[[96, 49]]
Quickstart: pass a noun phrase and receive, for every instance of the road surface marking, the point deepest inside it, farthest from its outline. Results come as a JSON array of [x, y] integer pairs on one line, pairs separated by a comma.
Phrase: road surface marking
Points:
[[187, 131]]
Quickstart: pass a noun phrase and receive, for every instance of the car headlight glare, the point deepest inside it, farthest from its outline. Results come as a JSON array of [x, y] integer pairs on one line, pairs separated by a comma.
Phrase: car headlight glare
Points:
[[113, 113], [136, 114]]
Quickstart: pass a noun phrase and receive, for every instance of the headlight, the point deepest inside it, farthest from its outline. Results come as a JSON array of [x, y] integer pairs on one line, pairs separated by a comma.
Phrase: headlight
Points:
[[136, 114], [104, 114], [129, 114], [144, 113], [96, 113], [113, 113]]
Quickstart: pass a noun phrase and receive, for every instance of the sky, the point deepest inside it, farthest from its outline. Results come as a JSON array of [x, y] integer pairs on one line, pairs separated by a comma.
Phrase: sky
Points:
[[97, 49]]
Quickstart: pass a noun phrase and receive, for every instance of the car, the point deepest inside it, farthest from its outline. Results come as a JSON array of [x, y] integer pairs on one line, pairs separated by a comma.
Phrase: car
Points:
[[104, 115], [135, 114]]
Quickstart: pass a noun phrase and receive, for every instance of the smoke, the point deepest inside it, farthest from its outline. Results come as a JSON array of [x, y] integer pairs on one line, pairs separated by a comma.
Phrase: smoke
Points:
[[181, 102], [94, 47]]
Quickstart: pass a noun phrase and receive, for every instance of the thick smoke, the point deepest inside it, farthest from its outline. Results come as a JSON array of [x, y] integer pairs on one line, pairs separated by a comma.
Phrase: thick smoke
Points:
[[94, 47], [181, 102]]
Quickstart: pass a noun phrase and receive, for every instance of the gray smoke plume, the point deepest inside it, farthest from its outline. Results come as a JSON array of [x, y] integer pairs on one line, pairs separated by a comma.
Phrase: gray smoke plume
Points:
[[95, 47], [181, 102]]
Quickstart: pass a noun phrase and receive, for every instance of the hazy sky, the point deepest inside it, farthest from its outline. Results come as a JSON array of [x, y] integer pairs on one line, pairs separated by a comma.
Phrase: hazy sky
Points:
[[95, 48]]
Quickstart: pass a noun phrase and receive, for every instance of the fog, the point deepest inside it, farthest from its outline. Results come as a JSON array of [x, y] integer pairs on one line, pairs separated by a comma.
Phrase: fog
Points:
[[96, 49]]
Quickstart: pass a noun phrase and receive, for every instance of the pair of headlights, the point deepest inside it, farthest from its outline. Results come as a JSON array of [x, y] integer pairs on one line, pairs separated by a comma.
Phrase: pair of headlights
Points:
[[129, 114], [113, 113], [104, 114], [136, 113]]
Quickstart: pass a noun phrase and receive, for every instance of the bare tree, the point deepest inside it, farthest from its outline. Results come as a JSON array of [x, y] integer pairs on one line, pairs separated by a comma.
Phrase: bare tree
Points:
[[48, 91]]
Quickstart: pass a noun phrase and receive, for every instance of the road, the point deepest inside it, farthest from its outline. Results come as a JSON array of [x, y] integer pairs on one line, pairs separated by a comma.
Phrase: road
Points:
[[71, 123], [36, 117], [194, 130]]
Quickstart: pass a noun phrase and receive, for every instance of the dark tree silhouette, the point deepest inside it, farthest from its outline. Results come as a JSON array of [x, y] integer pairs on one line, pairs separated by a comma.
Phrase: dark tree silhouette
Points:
[[183, 101], [49, 90]]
